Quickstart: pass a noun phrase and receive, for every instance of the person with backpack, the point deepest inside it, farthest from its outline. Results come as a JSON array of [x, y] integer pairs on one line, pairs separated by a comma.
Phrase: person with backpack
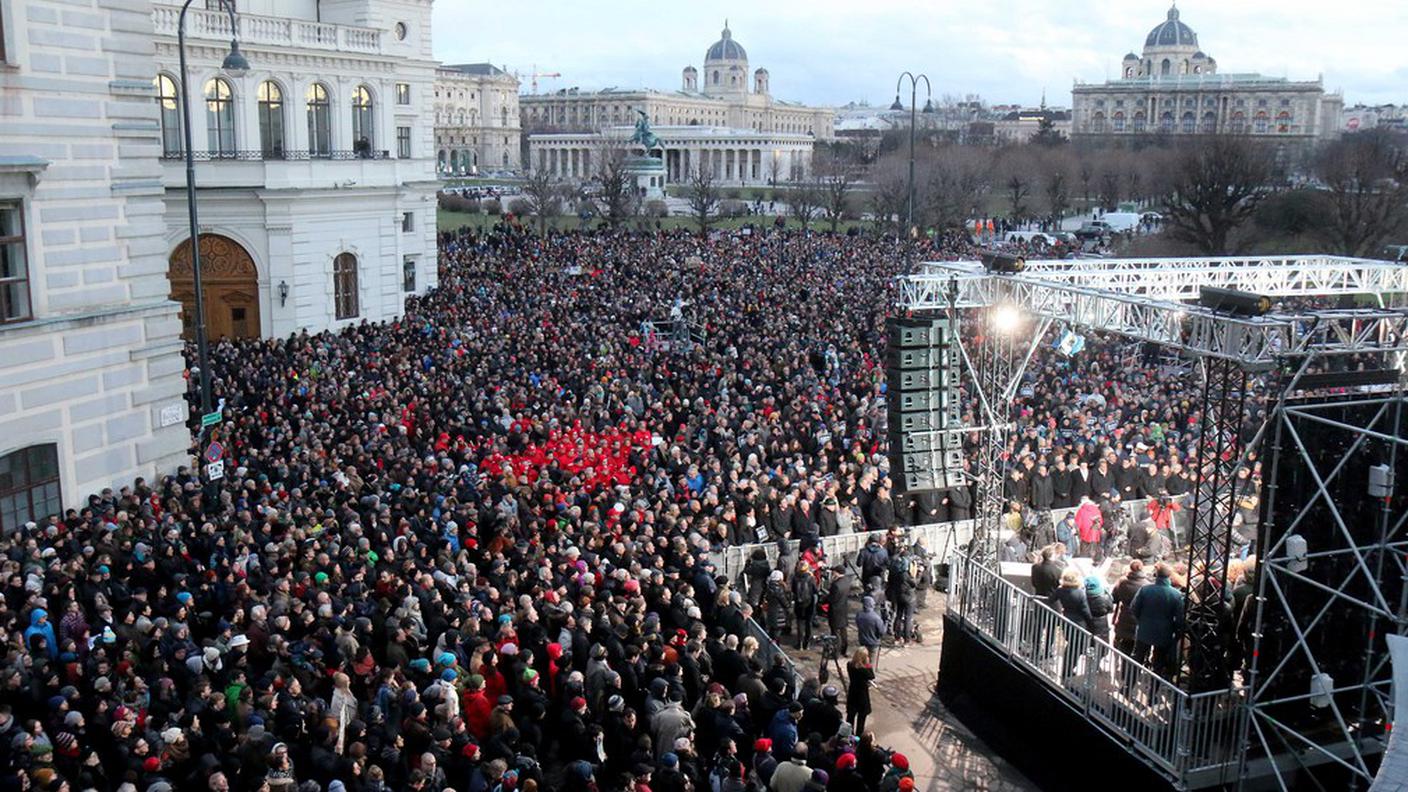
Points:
[[804, 601], [874, 560]]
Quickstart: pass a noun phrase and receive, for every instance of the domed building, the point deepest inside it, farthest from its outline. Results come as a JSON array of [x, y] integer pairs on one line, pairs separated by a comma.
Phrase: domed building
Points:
[[1174, 88], [724, 117]]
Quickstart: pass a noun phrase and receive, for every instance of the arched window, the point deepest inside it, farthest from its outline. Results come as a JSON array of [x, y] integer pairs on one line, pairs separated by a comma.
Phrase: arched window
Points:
[[1129, 72], [319, 121], [363, 129], [1167, 68], [1261, 123], [1239, 122], [169, 110], [220, 117], [1190, 124], [271, 119], [1118, 122], [1209, 123], [716, 77], [1283, 122], [1166, 122], [1097, 123], [29, 486], [344, 286], [1139, 121]]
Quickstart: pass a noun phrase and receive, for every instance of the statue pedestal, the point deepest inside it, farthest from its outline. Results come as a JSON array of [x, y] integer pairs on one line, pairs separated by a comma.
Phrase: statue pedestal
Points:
[[648, 176]]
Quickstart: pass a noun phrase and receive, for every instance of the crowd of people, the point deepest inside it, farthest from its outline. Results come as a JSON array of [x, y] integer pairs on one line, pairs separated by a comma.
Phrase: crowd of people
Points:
[[470, 549]]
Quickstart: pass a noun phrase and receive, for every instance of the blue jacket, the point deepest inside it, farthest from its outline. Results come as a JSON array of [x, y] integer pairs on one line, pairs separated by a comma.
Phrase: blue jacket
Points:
[[870, 628], [1158, 610], [783, 732], [46, 630]]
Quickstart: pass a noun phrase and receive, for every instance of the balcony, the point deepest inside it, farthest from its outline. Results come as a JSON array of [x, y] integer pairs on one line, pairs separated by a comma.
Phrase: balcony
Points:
[[256, 30], [295, 169]]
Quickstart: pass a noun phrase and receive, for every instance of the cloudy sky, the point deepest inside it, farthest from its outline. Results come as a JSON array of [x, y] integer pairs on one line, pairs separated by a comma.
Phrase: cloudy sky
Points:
[[836, 51]]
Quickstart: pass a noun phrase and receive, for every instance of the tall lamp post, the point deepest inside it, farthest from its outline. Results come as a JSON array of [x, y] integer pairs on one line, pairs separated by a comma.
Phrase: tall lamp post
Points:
[[234, 65], [913, 119]]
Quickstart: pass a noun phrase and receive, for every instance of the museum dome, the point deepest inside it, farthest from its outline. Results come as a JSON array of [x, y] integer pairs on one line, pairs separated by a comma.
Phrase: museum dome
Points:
[[726, 49], [1172, 33]]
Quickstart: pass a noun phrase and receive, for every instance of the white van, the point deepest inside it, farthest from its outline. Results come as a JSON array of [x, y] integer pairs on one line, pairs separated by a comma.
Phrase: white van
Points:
[[1122, 221]]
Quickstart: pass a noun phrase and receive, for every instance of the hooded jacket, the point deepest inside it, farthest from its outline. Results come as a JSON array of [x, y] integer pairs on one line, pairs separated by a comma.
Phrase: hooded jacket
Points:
[[870, 628], [46, 630]]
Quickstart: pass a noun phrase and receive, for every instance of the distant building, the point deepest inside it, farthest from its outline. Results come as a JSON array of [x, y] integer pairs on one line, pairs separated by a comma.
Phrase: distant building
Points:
[[735, 156], [316, 170], [476, 119], [1362, 118], [92, 393], [1174, 88], [1020, 125], [722, 96]]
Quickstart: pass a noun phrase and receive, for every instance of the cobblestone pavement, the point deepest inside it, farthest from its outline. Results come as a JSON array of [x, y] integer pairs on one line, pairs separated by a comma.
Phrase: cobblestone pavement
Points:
[[908, 717]]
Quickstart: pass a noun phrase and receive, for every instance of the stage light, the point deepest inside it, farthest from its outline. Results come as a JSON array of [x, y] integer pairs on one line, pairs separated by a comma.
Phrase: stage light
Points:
[[1002, 263], [1296, 549], [1006, 319], [1233, 301]]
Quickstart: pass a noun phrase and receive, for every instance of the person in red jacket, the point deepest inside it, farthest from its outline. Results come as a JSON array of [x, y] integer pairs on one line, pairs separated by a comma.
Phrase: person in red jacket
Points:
[[476, 707], [1090, 529]]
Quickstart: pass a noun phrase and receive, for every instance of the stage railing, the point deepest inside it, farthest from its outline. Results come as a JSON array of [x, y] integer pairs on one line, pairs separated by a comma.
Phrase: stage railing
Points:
[[941, 539], [1180, 734]]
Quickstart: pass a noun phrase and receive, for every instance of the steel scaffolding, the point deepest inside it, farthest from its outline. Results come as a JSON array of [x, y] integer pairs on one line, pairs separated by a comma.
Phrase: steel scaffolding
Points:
[[1249, 366]]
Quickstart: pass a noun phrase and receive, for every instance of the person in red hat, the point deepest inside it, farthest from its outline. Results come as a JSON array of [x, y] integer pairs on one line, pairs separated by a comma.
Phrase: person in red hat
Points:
[[764, 763]]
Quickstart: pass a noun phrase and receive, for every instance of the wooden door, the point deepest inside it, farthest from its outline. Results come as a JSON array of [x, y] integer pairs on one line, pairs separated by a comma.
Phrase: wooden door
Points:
[[230, 283]]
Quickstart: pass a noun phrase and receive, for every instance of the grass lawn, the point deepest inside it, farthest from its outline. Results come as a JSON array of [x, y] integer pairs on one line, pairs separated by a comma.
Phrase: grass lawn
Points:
[[450, 221]]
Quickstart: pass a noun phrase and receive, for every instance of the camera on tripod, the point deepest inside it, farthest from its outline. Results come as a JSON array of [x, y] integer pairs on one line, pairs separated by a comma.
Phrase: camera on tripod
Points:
[[830, 647]]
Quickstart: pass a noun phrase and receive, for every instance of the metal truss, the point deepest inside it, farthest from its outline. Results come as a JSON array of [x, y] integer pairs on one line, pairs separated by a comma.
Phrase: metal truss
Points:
[[1224, 402], [1191, 328], [1370, 592], [1180, 278]]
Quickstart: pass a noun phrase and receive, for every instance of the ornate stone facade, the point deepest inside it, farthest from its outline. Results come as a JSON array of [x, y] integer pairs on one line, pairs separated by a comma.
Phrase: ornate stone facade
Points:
[[1174, 88], [738, 157], [476, 119], [719, 96]]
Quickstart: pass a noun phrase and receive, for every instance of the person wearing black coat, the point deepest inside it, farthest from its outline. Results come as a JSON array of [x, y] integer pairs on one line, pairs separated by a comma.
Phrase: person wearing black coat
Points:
[[1101, 480], [960, 504], [1043, 491], [928, 508], [755, 572], [860, 674], [804, 601], [1071, 601], [1061, 485], [1122, 596], [838, 604], [1046, 573], [1080, 483]]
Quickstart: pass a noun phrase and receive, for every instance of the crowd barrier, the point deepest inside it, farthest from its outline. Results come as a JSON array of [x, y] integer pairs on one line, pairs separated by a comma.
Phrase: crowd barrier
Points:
[[768, 649], [1181, 734], [941, 539]]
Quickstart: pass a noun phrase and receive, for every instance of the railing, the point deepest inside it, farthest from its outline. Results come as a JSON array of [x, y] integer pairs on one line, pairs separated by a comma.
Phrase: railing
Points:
[[937, 536], [256, 155], [1177, 733], [768, 650], [264, 30]]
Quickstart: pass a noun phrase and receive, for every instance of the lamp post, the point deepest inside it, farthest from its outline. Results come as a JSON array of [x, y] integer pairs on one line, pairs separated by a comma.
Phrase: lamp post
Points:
[[913, 119], [235, 65]]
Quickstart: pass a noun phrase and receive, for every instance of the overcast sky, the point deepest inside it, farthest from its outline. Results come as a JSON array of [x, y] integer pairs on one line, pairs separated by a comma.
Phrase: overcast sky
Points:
[[835, 51]]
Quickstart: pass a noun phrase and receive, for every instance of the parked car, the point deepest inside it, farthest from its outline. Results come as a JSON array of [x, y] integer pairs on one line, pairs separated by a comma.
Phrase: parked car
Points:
[[1094, 229]]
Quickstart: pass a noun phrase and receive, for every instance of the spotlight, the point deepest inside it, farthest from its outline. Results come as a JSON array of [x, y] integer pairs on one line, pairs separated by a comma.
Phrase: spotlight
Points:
[[1234, 302], [1006, 319], [1002, 263]]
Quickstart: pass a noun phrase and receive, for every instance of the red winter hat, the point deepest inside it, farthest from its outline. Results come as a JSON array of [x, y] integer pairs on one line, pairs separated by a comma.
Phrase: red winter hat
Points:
[[762, 745], [906, 784], [152, 764], [578, 702], [899, 760], [847, 761]]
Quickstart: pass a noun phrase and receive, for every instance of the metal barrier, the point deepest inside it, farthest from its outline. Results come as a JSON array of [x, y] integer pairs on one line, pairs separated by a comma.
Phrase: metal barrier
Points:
[[768, 649], [942, 539], [1179, 734]]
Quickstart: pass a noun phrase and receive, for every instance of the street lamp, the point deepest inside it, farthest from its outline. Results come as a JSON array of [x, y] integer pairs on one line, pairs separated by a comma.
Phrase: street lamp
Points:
[[913, 120], [236, 65]]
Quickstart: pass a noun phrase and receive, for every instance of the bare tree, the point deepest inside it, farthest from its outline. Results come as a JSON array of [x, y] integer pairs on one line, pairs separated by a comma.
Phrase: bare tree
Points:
[[616, 198], [889, 192], [1016, 166], [1086, 174], [774, 170], [836, 178], [804, 201], [545, 196], [1217, 183], [703, 194], [1366, 183], [952, 186]]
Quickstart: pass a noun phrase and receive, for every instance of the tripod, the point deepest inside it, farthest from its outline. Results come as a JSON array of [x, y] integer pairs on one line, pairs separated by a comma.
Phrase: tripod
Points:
[[829, 644]]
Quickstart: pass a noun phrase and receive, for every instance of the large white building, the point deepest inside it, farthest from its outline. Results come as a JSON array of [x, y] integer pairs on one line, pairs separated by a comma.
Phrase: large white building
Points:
[[733, 110], [91, 386], [476, 119], [1174, 88], [738, 157], [316, 170]]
